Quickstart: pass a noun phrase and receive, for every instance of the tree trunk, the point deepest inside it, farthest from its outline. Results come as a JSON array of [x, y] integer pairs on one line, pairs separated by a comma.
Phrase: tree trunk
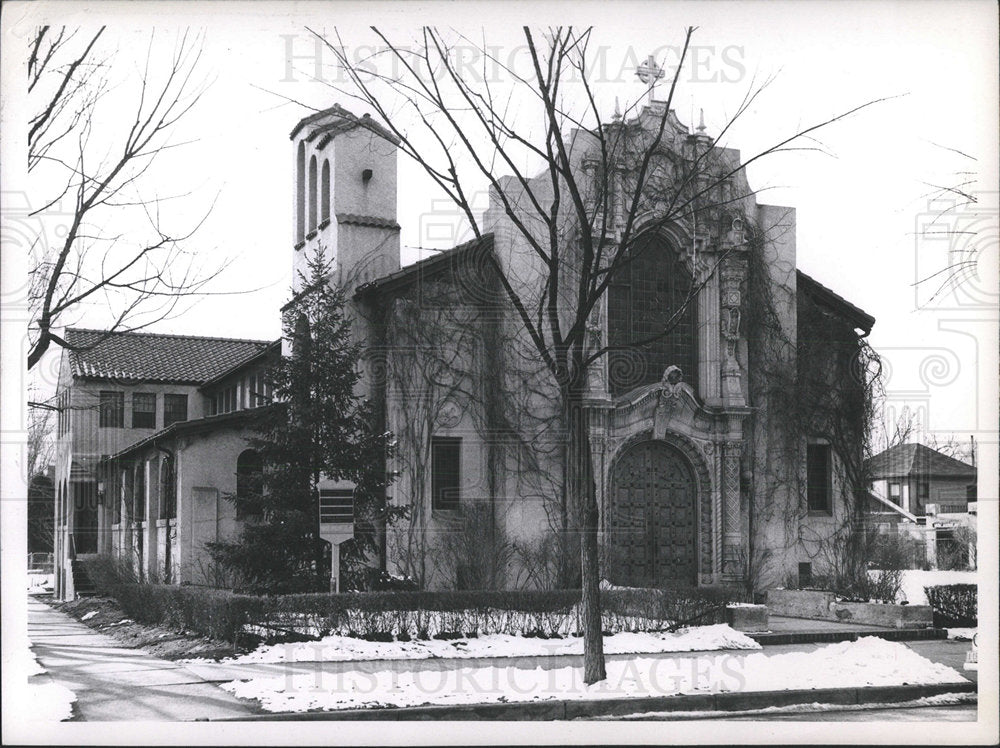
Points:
[[583, 489]]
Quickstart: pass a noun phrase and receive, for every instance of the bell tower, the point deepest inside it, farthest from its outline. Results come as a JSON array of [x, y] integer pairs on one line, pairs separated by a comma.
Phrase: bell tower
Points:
[[344, 197]]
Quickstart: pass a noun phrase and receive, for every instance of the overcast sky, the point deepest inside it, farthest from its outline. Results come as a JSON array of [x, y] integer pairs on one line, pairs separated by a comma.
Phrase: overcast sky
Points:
[[863, 205]]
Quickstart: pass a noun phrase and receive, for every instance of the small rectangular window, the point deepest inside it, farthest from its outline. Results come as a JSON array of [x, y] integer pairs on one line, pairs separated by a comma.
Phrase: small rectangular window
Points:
[[923, 490], [805, 574], [894, 492], [174, 409], [819, 486], [112, 409], [445, 472], [143, 410]]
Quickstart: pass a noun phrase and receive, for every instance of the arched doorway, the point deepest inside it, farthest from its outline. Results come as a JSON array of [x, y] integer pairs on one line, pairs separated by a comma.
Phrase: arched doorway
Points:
[[653, 522]]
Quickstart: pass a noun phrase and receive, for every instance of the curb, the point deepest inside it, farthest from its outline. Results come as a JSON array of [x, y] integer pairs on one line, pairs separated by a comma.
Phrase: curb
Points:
[[590, 708], [830, 637]]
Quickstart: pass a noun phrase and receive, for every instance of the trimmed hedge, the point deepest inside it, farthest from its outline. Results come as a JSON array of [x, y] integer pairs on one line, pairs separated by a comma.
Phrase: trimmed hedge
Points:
[[954, 604], [384, 616], [387, 615], [217, 614]]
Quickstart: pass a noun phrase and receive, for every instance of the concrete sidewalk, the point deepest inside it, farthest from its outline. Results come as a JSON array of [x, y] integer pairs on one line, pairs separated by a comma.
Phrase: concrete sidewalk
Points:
[[116, 683]]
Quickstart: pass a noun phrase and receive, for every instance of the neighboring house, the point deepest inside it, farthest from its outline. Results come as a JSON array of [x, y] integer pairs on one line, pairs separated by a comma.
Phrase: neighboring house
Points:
[[119, 389], [727, 449], [928, 496], [913, 476]]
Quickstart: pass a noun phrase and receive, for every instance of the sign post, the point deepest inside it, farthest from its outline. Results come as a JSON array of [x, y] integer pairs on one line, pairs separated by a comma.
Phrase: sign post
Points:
[[336, 521]]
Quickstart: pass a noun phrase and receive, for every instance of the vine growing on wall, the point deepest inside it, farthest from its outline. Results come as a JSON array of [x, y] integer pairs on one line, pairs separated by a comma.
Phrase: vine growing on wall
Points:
[[811, 379], [450, 354]]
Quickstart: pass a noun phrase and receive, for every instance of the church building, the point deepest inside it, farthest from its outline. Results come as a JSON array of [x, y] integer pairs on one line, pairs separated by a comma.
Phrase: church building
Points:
[[726, 451]]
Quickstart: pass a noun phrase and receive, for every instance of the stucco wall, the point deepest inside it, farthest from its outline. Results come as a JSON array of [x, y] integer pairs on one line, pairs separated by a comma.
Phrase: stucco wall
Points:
[[206, 475], [359, 253], [86, 442]]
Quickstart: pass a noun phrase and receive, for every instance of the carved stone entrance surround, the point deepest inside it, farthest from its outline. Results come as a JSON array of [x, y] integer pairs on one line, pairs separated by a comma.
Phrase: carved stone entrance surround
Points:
[[710, 438]]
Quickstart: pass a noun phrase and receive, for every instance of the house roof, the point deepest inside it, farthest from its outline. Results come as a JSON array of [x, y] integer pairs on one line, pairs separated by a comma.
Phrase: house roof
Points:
[[835, 302], [905, 460], [151, 357], [428, 267], [272, 348]]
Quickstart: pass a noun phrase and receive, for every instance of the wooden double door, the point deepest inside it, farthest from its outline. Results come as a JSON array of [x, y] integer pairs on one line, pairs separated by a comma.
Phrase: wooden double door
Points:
[[653, 523]]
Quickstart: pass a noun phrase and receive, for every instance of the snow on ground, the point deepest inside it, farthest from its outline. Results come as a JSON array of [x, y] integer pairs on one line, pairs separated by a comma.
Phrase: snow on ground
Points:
[[914, 581], [342, 648], [43, 702], [38, 583], [88, 616], [49, 702], [869, 661]]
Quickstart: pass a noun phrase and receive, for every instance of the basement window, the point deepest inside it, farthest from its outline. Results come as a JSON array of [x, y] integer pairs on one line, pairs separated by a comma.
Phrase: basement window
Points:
[[805, 574]]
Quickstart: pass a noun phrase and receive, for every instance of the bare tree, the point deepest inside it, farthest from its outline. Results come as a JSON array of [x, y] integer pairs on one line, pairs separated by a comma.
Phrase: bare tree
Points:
[[41, 495], [89, 156], [905, 427], [579, 195], [41, 448]]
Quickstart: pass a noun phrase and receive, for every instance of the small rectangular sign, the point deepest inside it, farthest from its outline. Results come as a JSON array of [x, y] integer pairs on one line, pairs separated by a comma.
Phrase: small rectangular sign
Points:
[[336, 506]]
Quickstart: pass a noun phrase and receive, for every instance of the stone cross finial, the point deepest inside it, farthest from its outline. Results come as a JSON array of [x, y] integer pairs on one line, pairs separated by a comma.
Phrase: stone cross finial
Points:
[[649, 73]]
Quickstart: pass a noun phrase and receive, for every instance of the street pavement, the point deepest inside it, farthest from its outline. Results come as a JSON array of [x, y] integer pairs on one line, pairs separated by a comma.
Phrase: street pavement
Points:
[[957, 713]]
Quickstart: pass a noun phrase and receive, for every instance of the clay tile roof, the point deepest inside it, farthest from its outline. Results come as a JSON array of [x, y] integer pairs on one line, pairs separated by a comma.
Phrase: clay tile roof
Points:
[[340, 120], [151, 357], [916, 459]]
